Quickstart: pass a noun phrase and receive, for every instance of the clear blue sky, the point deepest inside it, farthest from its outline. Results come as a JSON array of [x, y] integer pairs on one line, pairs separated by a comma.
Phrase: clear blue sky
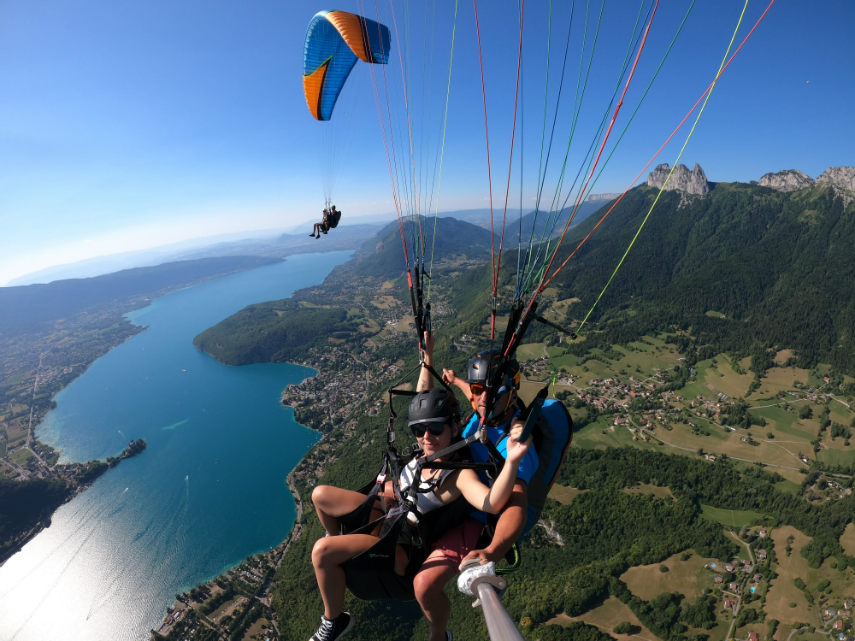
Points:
[[126, 125]]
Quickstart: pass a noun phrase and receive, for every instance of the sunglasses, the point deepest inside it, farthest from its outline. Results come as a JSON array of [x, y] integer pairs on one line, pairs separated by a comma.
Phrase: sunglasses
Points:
[[479, 388], [419, 429]]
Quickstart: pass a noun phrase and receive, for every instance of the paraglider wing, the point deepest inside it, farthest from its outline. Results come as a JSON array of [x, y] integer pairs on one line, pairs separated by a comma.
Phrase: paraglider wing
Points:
[[334, 40]]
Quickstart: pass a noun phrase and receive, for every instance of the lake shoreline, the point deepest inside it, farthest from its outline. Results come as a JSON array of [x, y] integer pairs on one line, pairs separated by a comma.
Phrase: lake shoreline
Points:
[[79, 477]]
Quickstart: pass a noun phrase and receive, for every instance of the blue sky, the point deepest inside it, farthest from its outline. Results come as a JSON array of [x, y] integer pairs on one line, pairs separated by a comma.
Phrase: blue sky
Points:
[[128, 125]]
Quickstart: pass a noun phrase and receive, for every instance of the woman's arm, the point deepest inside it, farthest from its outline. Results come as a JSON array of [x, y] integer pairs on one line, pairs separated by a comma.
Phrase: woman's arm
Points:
[[492, 499]]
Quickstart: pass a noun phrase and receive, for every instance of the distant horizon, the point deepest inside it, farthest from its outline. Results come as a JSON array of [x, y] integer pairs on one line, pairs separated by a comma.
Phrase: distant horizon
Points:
[[110, 262], [116, 261]]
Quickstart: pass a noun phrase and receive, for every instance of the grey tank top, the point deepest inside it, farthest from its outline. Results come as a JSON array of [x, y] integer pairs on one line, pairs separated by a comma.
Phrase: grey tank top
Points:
[[426, 498]]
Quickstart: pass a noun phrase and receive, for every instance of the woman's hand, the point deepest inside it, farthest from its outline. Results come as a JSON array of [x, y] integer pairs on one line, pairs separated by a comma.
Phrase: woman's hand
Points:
[[516, 449]]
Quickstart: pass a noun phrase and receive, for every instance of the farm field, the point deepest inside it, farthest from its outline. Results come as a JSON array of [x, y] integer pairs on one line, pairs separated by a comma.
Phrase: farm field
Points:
[[721, 376], [735, 519], [606, 617], [838, 455], [656, 490], [767, 451], [784, 601], [783, 592], [847, 539], [779, 379], [564, 494], [599, 435], [783, 422], [639, 358], [531, 351], [690, 578]]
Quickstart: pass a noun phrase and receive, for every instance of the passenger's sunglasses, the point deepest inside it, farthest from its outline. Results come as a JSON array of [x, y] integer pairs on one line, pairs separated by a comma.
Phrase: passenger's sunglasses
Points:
[[419, 429]]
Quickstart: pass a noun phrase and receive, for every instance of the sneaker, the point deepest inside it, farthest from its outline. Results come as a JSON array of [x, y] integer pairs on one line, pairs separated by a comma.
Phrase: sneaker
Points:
[[333, 629], [448, 636]]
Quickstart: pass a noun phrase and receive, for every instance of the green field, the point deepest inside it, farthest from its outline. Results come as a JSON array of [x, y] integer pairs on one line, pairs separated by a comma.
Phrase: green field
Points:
[[790, 487], [530, 351], [845, 458], [638, 358], [784, 421], [21, 456], [731, 518], [600, 435]]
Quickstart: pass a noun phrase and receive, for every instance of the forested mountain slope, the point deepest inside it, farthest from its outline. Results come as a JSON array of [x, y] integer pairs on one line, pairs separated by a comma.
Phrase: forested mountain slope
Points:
[[742, 268]]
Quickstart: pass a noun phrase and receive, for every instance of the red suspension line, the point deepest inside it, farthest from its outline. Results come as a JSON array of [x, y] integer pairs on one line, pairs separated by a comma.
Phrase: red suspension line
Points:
[[542, 285], [489, 172], [510, 156], [668, 140]]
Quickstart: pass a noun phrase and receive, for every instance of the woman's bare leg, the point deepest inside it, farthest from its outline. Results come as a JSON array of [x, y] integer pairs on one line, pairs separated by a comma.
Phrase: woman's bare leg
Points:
[[332, 502], [328, 555]]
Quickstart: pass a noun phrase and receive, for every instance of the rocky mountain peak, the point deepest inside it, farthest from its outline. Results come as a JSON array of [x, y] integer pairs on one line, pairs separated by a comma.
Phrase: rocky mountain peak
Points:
[[841, 180], [787, 180], [690, 182]]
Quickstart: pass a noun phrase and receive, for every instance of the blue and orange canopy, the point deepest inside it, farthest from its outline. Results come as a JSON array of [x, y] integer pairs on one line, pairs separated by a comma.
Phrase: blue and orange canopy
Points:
[[334, 40]]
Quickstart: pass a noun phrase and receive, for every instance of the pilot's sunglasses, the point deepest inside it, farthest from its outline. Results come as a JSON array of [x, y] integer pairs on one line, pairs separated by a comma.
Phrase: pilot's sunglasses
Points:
[[419, 429], [477, 389]]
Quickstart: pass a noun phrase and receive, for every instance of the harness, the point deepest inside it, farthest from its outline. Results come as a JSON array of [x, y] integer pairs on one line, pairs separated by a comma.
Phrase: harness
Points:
[[371, 574], [335, 216]]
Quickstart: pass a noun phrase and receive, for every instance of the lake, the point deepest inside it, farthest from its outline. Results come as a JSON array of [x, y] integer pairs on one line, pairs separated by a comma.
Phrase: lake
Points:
[[207, 492]]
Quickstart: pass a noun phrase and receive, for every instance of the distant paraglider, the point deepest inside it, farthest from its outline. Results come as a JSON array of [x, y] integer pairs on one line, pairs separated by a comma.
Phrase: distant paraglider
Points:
[[329, 221], [334, 41]]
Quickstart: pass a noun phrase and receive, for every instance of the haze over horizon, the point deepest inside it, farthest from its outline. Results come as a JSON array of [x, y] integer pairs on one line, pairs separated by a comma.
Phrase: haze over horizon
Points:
[[126, 128]]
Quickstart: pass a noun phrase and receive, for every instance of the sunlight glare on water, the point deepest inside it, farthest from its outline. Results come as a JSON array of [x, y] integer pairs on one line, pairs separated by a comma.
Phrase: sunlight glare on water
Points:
[[208, 491]]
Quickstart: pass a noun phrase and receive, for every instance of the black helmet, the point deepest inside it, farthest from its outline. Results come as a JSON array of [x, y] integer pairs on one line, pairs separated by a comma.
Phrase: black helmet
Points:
[[491, 365], [435, 404]]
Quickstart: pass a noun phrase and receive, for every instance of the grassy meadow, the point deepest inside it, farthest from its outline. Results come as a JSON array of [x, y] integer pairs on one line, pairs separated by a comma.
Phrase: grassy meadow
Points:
[[690, 577], [606, 617]]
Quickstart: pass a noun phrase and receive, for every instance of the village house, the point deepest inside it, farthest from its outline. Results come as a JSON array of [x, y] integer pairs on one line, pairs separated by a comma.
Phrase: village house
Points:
[[729, 603], [729, 567], [761, 554], [752, 636], [829, 613], [838, 625], [733, 586], [719, 578]]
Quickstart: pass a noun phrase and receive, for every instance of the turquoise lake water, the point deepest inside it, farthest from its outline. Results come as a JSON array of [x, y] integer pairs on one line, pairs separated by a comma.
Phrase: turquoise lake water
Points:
[[207, 492]]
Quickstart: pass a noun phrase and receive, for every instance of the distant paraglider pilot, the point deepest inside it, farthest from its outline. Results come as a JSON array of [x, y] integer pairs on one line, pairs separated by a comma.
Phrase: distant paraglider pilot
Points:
[[329, 221]]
